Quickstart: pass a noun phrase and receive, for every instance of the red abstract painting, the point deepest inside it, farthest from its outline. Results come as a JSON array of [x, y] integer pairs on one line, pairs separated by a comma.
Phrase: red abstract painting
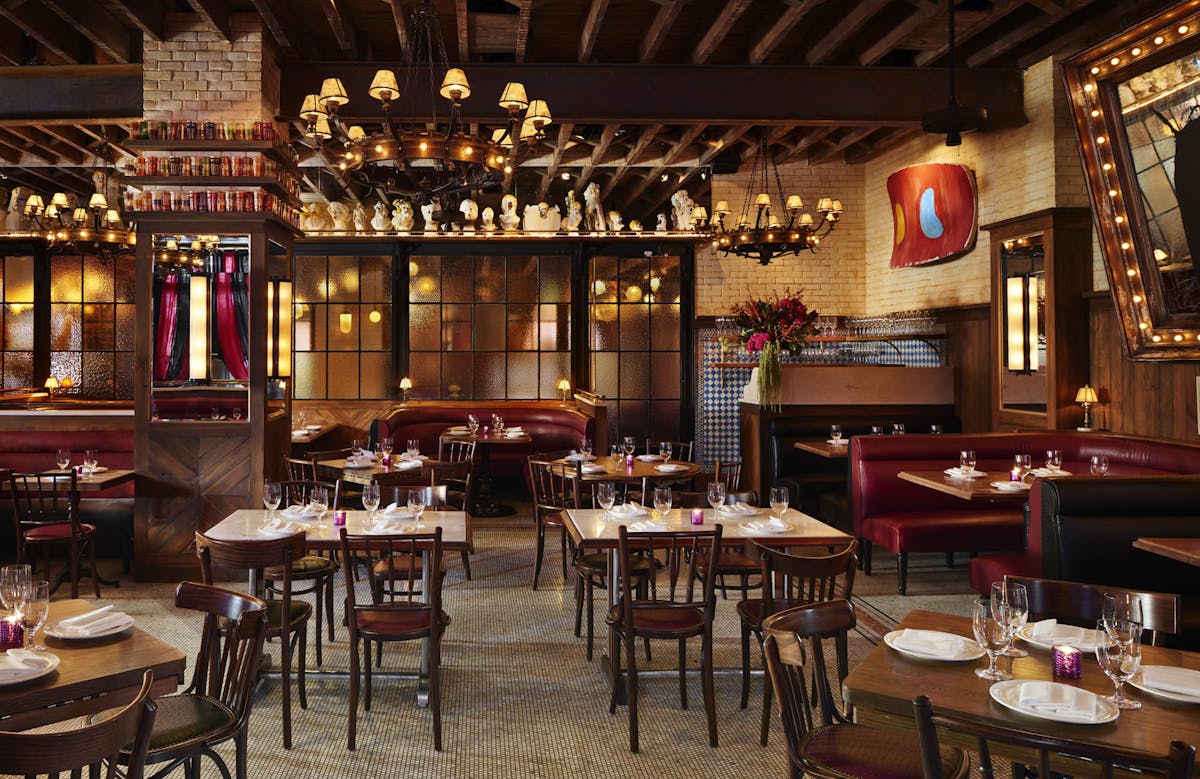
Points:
[[933, 212]]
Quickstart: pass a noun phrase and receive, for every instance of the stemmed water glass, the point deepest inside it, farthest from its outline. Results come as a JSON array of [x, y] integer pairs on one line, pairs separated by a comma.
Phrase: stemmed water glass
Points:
[[1121, 607], [356, 447], [614, 452], [272, 496], [779, 501], [992, 637], [472, 423], [716, 494], [1099, 464], [416, 503], [662, 500], [664, 450], [370, 499], [385, 446], [585, 448], [898, 428], [62, 458], [1053, 460], [606, 495], [835, 432], [1010, 606], [412, 448], [318, 498], [1119, 659], [1023, 462], [35, 612], [628, 444], [90, 462], [966, 461], [15, 583]]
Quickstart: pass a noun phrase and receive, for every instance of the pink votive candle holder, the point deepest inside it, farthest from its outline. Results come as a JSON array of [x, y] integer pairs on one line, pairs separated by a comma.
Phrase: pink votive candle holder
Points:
[[697, 516], [339, 517], [12, 633], [1068, 662]]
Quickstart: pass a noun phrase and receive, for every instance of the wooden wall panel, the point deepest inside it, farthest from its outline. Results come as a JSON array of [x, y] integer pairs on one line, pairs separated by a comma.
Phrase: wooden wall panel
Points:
[[968, 339]]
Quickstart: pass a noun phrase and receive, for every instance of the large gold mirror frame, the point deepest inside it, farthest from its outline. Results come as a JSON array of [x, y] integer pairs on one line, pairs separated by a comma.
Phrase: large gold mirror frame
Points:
[[1134, 97]]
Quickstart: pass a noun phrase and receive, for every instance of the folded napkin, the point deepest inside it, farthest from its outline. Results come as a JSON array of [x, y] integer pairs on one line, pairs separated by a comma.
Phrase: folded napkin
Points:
[[741, 507], [670, 467], [16, 663], [628, 510], [1059, 699], [592, 468], [405, 465], [298, 511], [517, 430], [406, 457], [1011, 486], [650, 458], [1051, 632], [301, 431], [576, 456], [1047, 472], [386, 526], [280, 527], [396, 510], [959, 473], [88, 616], [360, 462], [772, 525], [105, 624], [647, 526], [1163, 677], [838, 441], [931, 642]]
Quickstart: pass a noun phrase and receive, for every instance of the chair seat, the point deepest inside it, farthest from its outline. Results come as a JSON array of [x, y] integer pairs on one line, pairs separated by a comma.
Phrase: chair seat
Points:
[[730, 562], [555, 518], [301, 610], [869, 753], [750, 609], [395, 620], [596, 564], [662, 620], [307, 567], [55, 531], [187, 718], [398, 567]]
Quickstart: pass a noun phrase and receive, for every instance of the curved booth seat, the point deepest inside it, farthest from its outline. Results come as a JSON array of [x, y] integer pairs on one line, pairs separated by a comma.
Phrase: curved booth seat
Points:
[[904, 517]]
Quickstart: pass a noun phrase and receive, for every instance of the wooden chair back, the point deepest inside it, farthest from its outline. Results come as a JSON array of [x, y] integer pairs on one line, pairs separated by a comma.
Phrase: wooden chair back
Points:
[[791, 578], [40, 499], [673, 578], [406, 557], [455, 450], [296, 491], [729, 472], [231, 645], [681, 451], [1083, 604], [36, 754], [324, 472], [299, 469], [556, 485], [1178, 763], [438, 497]]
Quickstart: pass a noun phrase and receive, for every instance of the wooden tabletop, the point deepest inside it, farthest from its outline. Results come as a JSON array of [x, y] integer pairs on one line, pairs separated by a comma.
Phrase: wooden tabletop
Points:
[[488, 439], [97, 482], [367, 475], [1185, 550], [822, 448], [591, 530], [638, 470], [967, 489], [109, 667], [245, 524], [307, 436], [882, 686]]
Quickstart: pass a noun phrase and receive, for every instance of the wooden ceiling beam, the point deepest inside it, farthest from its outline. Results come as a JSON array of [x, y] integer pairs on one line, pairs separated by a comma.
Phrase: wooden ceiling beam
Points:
[[53, 180], [36, 138], [646, 137], [897, 34], [215, 14], [70, 94], [400, 20], [726, 141], [72, 137], [20, 138], [796, 11], [811, 138], [846, 28], [94, 22], [847, 140], [45, 28], [146, 15], [774, 135], [564, 136], [999, 11], [462, 28], [883, 141], [11, 154], [341, 25], [728, 16], [12, 41], [1023, 33], [656, 173], [107, 134], [664, 18], [282, 24], [524, 13], [591, 29], [598, 151], [1079, 36]]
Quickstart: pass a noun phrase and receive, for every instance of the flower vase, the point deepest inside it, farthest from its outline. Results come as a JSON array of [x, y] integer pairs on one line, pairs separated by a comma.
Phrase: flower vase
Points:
[[769, 376]]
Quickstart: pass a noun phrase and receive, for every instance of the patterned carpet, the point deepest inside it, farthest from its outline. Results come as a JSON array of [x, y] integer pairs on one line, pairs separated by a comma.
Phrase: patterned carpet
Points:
[[519, 697]]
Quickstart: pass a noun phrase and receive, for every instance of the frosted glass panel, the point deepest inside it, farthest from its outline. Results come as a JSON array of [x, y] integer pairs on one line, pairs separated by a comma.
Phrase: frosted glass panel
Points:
[[18, 327], [424, 327], [456, 328], [605, 373], [98, 322], [635, 327], [664, 374], [18, 369], [604, 327], [18, 279], [555, 280], [343, 376], [126, 281], [489, 375], [67, 364], [458, 279], [522, 279], [554, 327], [458, 375], [66, 327], [555, 365], [489, 280], [98, 374], [309, 375], [664, 327], [343, 279], [125, 327], [97, 280], [124, 374], [309, 281], [522, 376], [65, 279], [376, 335], [522, 333], [489, 329], [635, 376], [424, 368], [375, 279], [375, 379]]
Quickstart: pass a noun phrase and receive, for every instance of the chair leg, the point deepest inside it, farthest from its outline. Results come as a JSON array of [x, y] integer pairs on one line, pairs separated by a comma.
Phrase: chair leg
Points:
[[466, 563], [631, 692], [706, 674], [683, 673], [91, 546], [864, 560], [285, 680], [367, 675], [74, 564], [745, 666], [578, 605], [329, 582], [319, 603], [353, 722], [765, 726], [302, 662], [537, 557], [614, 653], [562, 548], [239, 758], [902, 572], [435, 693]]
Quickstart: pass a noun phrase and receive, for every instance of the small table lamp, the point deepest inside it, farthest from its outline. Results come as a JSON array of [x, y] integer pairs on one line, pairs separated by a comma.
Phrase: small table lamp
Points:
[[564, 387], [405, 386], [1086, 397]]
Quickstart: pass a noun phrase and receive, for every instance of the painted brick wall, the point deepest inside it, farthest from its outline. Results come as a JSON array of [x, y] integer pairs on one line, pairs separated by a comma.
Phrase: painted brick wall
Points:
[[193, 73]]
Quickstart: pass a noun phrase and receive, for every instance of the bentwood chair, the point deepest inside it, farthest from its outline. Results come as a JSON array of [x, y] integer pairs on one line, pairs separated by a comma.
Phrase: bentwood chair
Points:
[[1178, 763], [92, 746], [215, 706], [396, 615], [823, 741], [670, 609], [46, 512], [788, 581], [299, 469], [556, 488], [324, 472], [730, 473], [455, 450], [1083, 604], [287, 618]]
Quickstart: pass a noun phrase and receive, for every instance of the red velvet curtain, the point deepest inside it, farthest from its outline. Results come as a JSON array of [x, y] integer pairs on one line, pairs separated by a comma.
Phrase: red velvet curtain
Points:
[[168, 320], [227, 330]]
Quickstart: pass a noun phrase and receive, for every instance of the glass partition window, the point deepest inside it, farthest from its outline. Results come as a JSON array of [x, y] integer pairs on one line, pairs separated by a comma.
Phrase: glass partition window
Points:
[[17, 283], [343, 328], [489, 327], [91, 324], [1023, 381]]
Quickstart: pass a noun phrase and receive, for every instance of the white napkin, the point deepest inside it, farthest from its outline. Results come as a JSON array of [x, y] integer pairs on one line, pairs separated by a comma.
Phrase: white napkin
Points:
[[930, 642], [298, 511], [1010, 486], [95, 627], [518, 430], [1063, 701], [406, 457], [301, 431], [396, 510], [1050, 632], [646, 526], [1163, 677], [592, 468], [576, 456], [772, 525], [670, 467], [838, 441], [16, 663], [405, 465], [86, 617], [959, 473], [281, 527], [1046, 472], [628, 510], [650, 458], [741, 507]]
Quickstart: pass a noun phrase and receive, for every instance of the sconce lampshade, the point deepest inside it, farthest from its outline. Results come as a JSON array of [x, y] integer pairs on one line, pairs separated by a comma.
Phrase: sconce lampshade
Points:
[[1021, 324], [563, 385], [198, 328], [279, 329], [51, 383], [346, 322], [34, 204], [538, 113], [1086, 394], [311, 110], [406, 383]]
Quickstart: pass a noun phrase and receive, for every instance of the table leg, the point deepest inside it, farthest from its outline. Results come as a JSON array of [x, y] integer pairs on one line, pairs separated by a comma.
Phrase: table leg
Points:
[[485, 504]]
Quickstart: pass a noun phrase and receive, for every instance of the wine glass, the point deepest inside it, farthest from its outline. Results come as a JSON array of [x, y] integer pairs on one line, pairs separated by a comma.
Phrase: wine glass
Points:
[[662, 500], [385, 446], [14, 586], [62, 458], [497, 424], [318, 499], [1024, 462], [1121, 607], [1053, 460], [966, 461], [992, 637], [664, 450], [1119, 659], [835, 432], [412, 448], [935, 429], [606, 495], [628, 444], [876, 429], [614, 451], [370, 499], [89, 463], [416, 503], [272, 496], [214, 413], [472, 423], [716, 494], [898, 428], [35, 611], [1010, 606], [585, 448], [779, 500], [356, 447], [302, 420], [1099, 464]]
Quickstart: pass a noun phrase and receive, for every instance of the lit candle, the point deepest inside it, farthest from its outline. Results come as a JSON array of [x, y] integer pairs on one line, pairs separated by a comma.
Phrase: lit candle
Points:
[[1068, 662], [1015, 473], [12, 632], [697, 516], [339, 517]]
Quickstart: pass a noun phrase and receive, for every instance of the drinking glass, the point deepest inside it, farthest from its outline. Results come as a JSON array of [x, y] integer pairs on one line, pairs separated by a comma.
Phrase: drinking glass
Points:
[[1099, 464], [237, 413], [585, 448], [302, 420], [835, 432], [876, 429], [89, 463], [35, 612], [1024, 462], [1010, 606], [272, 496], [215, 413], [606, 495], [416, 503], [356, 447], [318, 498], [662, 500], [664, 450], [966, 460], [614, 451], [370, 499], [62, 458], [780, 497], [498, 427], [413, 448], [716, 494], [935, 429], [628, 444], [898, 428], [1121, 607], [992, 637], [1053, 459], [385, 446], [472, 423], [495, 420], [14, 586], [1119, 660]]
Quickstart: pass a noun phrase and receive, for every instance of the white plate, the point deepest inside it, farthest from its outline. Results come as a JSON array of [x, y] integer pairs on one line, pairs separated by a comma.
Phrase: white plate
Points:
[[1010, 486], [838, 442], [52, 630], [412, 527], [587, 468], [359, 466], [670, 468], [959, 474], [299, 516], [51, 664], [650, 458], [729, 513], [577, 457], [1008, 693], [1046, 473], [969, 649], [754, 527], [312, 428], [1083, 645], [1170, 695]]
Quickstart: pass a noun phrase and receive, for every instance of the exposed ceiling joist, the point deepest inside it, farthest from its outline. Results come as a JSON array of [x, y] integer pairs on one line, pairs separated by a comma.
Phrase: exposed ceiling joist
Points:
[[564, 137], [646, 137], [882, 141], [1019, 35], [524, 14], [897, 34], [341, 25], [731, 136], [45, 28], [598, 151], [774, 136], [657, 172], [999, 11], [809, 139], [215, 14], [1080, 36], [849, 139], [94, 22], [19, 138], [400, 20], [146, 15], [722, 24], [657, 32], [58, 150], [72, 137], [282, 24], [462, 27], [846, 28], [113, 136], [775, 34], [591, 29]]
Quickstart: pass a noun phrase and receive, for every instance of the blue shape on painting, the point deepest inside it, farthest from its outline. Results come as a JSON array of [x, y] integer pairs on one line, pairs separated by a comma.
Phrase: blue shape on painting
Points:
[[930, 224]]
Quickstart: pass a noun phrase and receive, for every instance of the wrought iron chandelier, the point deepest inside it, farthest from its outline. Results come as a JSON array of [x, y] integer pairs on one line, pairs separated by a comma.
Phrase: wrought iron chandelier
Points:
[[444, 160], [97, 228], [759, 232]]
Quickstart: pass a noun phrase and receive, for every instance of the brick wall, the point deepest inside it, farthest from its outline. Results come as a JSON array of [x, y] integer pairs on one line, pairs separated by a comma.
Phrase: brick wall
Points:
[[193, 73]]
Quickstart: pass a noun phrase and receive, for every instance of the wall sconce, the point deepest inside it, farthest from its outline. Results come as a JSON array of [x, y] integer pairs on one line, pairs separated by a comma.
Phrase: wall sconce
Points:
[[346, 322], [376, 316], [198, 328], [405, 386], [1021, 325], [279, 329], [1086, 397], [564, 387]]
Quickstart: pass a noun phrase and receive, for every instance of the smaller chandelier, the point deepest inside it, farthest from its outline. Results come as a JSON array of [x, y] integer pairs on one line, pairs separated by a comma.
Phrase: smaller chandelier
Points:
[[761, 232], [96, 225]]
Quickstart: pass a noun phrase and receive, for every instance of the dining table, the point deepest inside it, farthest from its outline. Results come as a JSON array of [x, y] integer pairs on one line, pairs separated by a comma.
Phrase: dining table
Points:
[[645, 469], [96, 482], [1184, 550], [823, 448], [93, 675], [882, 686], [978, 488], [484, 503], [366, 474]]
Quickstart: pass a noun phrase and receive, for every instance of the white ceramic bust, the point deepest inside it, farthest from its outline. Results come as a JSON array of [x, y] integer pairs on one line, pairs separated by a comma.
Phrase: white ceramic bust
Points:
[[683, 206], [615, 221], [661, 225], [593, 209], [427, 210], [402, 215], [470, 212], [489, 217], [379, 222], [509, 220], [359, 217], [574, 216], [339, 214]]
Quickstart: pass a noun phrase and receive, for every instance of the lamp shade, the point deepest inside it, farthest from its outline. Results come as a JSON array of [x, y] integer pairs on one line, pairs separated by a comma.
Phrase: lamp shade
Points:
[[51, 211], [699, 215], [563, 385], [406, 383], [538, 113], [279, 329], [112, 217], [98, 202], [722, 207], [321, 128], [34, 204], [80, 215], [60, 200], [384, 87], [51, 383], [311, 110], [455, 85], [762, 199], [794, 203], [356, 132], [1086, 395], [333, 94], [513, 98]]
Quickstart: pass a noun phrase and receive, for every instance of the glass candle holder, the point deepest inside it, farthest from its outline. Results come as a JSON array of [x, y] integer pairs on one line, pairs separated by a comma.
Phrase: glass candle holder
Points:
[[12, 633], [697, 516], [1068, 662], [1014, 474], [339, 518]]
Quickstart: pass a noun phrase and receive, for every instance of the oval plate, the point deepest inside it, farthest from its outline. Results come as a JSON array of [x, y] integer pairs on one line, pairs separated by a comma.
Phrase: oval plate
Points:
[[1007, 694], [1170, 695], [51, 666], [125, 624], [975, 655]]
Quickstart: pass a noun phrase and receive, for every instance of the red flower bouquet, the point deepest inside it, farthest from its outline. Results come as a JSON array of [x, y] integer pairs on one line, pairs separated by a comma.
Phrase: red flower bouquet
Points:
[[769, 327]]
